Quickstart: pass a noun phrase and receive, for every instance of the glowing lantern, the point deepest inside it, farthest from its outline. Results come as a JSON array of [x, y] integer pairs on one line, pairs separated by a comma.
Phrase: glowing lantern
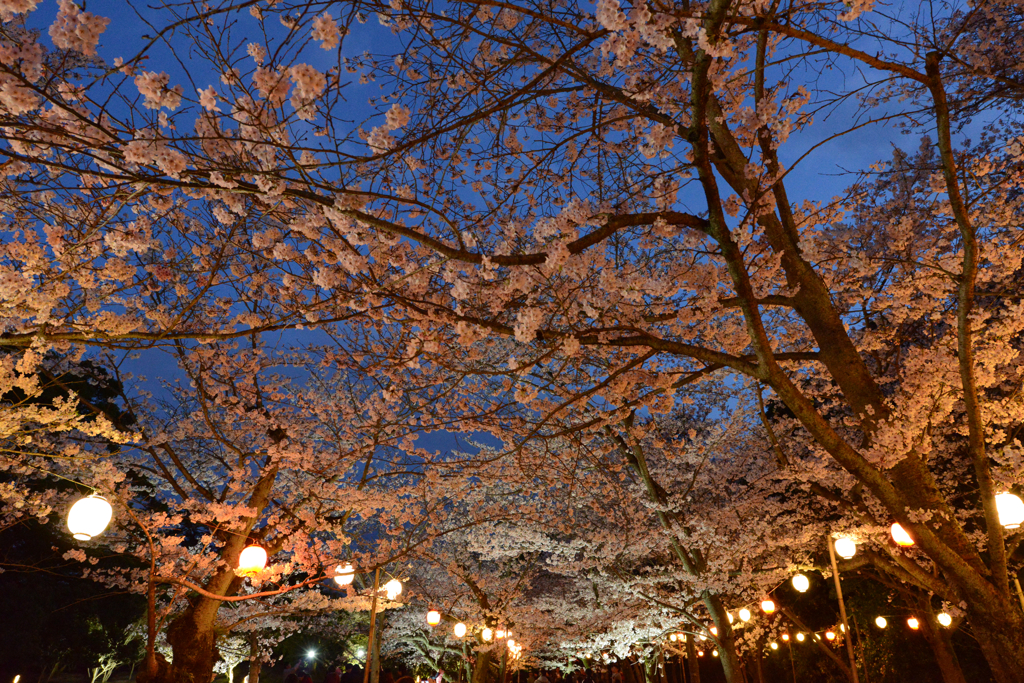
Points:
[[944, 619], [700, 653], [775, 646], [768, 606], [89, 516], [499, 634], [673, 638], [512, 645], [714, 653], [900, 535], [487, 634], [1011, 510], [785, 637], [343, 576], [252, 560], [682, 637], [744, 614], [433, 617], [714, 631], [460, 630], [845, 548], [729, 614], [913, 623], [800, 637], [801, 583], [880, 622], [829, 635], [393, 589]]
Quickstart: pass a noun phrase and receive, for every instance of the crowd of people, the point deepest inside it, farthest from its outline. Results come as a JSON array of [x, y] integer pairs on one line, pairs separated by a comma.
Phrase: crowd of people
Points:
[[299, 673]]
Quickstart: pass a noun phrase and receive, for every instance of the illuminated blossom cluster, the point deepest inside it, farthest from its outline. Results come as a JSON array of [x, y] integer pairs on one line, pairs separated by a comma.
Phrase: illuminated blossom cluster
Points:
[[309, 85], [156, 95], [325, 29], [74, 29]]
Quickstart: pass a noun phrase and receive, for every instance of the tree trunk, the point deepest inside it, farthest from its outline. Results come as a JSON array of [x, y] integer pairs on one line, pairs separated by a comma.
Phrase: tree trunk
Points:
[[1000, 634], [255, 663], [938, 638], [691, 660], [481, 672]]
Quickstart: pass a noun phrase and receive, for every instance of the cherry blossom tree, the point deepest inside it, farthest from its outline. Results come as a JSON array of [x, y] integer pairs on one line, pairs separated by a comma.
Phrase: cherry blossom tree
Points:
[[549, 225]]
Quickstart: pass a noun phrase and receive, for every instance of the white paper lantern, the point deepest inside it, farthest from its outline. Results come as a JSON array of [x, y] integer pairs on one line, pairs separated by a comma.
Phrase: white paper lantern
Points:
[[433, 617], [460, 630], [393, 589], [880, 622], [801, 583], [89, 516], [344, 574], [768, 606], [913, 623], [487, 634], [800, 637], [744, 614], [845, 548], [900, 535], [252, 560], [1011, 510]]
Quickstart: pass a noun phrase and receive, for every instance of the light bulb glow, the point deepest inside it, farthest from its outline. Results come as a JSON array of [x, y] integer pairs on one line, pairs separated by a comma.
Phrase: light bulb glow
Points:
[[499, 634], [880, 622], [845, 548], [744, 614], [775, 646], [311, 654], [715, 653], [89, 516], [900, 535], [768, 606], [460, 630], [913, 623], [673, 637], [1010, 509], [944, 619], [830, 635], [800, 637], [252, 560], [785, 637], [393, 589], [344, 574], [801, 583], [729, 614], [433, 617], [714, 631], [487, 634]]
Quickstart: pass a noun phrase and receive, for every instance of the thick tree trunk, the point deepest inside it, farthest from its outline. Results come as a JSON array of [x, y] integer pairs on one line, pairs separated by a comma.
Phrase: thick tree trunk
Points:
[[691, 660], [938, 638], [481, 672], [1000, 633], [255, 663]]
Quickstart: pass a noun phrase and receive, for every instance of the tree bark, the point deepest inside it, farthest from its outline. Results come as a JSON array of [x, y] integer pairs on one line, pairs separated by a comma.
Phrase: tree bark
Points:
[[939, 639], [255, 663], [691, 660], [481, 672]]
